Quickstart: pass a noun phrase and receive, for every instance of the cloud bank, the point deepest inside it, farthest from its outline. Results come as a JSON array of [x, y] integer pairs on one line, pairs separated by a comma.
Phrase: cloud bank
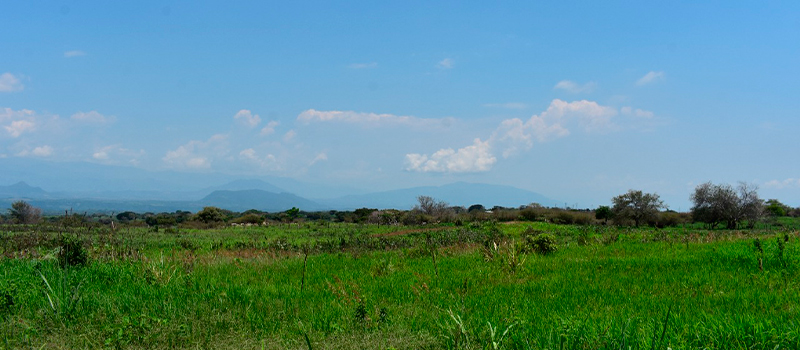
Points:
[[515, 135]]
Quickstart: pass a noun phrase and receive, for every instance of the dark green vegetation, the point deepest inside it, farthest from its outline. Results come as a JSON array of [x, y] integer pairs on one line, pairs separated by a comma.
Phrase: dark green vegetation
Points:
[[466, 285]]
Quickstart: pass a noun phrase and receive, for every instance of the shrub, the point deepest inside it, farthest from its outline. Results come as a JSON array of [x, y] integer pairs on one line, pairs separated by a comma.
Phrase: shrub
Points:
[[249, 219], [7, 294], [72, 252], [667, 219], [531, 214], [544, 243], [24, 213], [210, 215]]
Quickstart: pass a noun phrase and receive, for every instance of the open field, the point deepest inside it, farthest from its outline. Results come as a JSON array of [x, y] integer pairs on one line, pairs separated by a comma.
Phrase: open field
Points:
[[348, 286]]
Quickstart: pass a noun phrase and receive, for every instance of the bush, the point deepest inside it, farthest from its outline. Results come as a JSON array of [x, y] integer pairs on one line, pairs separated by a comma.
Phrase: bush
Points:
[[531, 214], [210, 215], [72, 253], [249, 219], [667, 219], [544, 243], [7, 294]]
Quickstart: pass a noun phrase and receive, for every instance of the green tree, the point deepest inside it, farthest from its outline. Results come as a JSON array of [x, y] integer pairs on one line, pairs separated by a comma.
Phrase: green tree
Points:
[[22, 212], [293, 213], [126, 216], [637, 206], [210, 215], [603, 212], [776, 208]]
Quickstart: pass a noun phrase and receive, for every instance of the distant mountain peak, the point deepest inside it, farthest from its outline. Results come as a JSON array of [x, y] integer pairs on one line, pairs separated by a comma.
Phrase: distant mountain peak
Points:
[[21, 189]]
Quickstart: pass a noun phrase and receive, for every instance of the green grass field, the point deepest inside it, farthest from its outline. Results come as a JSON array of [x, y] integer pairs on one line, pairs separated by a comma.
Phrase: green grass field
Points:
[[346, 286]]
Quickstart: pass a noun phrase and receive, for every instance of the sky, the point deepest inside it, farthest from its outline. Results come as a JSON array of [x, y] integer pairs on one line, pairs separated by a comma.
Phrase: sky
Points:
[[579, 101]]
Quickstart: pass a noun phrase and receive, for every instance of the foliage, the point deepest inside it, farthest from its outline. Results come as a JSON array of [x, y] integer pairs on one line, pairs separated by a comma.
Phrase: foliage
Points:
[[373, 287], [775, 208], [8, 294], [604, 213], [637, 206], [543, 243], [22, 212], [436, 209], [210, 215], [715, 204], [476, 208], [292, 214], [250, 218], [126, 216], [72, 252]]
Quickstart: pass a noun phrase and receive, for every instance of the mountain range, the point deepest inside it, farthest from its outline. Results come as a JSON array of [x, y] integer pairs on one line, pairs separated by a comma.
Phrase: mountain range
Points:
[[102, 188]]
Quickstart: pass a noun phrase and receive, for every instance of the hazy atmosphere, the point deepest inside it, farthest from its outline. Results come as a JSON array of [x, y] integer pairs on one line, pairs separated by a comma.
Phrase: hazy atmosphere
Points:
[[577, 101]]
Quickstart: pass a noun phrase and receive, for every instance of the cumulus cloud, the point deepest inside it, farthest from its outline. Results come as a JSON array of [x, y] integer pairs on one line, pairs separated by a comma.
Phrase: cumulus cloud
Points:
[[371, 119], [265, 162], [650, 77], [197, 154], [515, 135], [18, 127], [781, 184], [446, 63], [41, 151], [116, 153], [575, 88], [636, 112], [247, 118], [92, 117], [74, 53], [507, 105], [363, 65], [473, 158], [10, 83], [269, 128], [289, 135]]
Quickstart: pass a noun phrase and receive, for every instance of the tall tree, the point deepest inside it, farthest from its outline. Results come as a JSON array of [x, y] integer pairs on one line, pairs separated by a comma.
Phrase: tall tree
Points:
[[637, 206]]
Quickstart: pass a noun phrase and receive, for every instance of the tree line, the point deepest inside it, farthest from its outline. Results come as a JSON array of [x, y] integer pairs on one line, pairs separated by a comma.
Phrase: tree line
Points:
[[714, 205]]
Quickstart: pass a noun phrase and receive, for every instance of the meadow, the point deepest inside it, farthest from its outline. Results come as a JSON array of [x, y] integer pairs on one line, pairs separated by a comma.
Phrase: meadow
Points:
[[321, 285]]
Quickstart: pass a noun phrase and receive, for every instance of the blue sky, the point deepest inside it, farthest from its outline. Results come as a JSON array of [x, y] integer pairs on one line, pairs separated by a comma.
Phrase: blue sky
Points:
[[579, 101]]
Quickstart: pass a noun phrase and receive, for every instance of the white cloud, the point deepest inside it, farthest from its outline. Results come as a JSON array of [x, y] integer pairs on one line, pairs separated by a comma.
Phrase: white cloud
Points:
[[100, 155], [650, 77], [373, 119], [18, 127], [74, 53], [508, 105], [781, 184], [247, 118], [446, 63], [269, 161], [474, 158], [41, 151], [636, 112], [515, 135], [114, 153], [289, 135], [10, 83], [575, 88], [197, 154], [320, 157], [363, 65], [92, 117], [269, 128], [589, 114]]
